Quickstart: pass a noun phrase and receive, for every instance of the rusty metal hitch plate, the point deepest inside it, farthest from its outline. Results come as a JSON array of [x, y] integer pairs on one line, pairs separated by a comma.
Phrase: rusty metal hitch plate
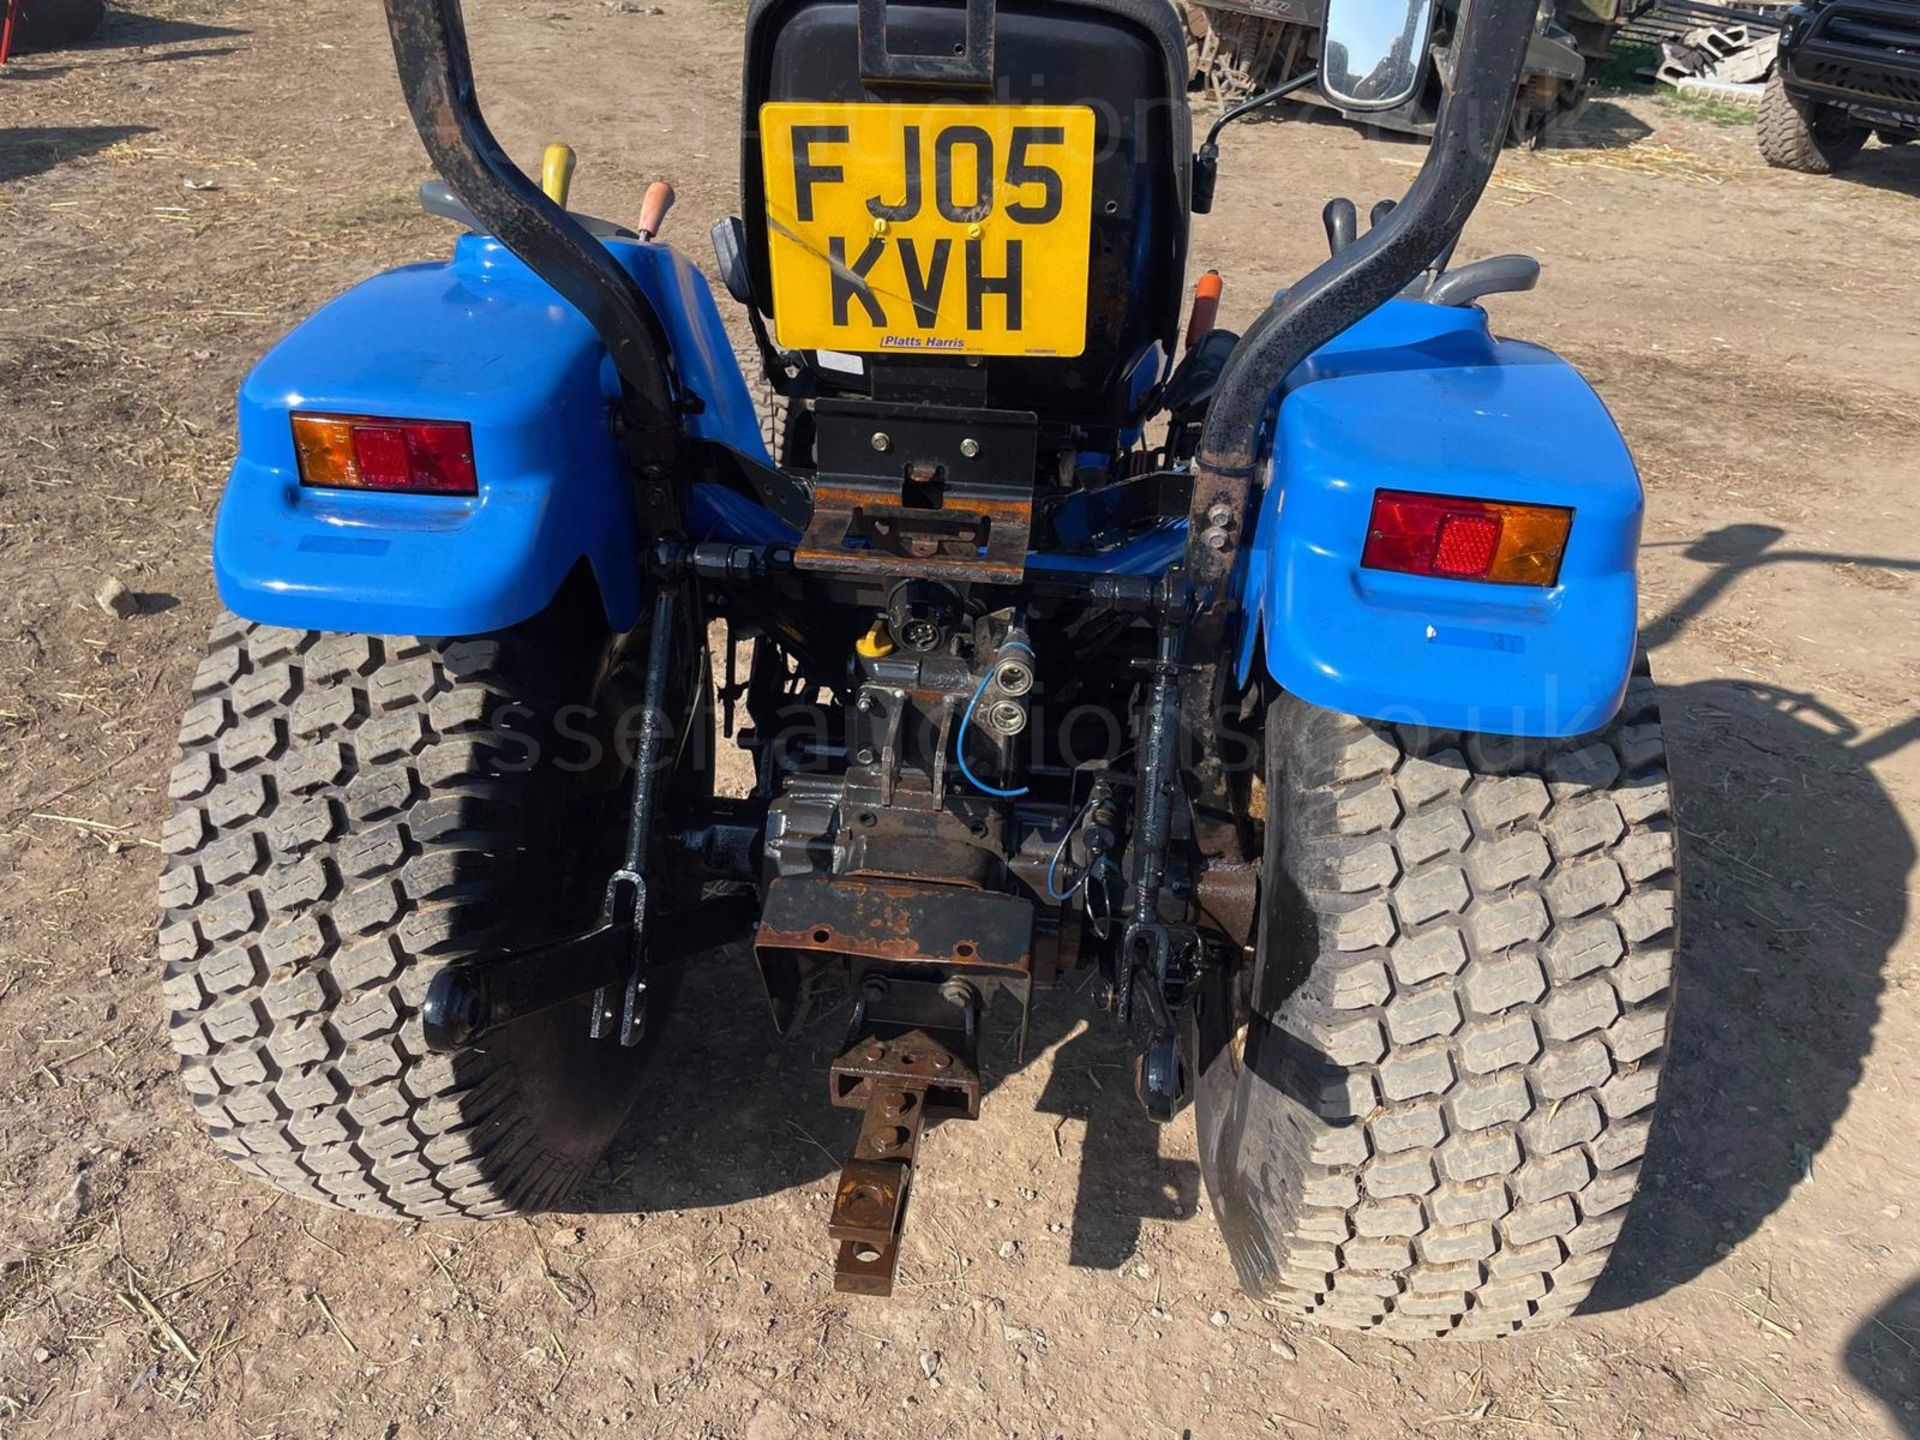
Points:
[[899, 1084], [921, 490], [898, 922]]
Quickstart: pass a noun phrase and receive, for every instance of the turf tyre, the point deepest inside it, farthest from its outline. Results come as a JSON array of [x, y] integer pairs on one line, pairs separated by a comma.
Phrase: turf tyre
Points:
[[352, 813], [1433, 1120]]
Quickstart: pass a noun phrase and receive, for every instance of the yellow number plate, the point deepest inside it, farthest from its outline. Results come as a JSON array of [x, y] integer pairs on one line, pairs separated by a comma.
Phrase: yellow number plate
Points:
[[960, 229]]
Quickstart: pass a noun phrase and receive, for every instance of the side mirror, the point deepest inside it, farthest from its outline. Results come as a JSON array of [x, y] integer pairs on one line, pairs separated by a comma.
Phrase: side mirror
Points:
[[1374, 51]]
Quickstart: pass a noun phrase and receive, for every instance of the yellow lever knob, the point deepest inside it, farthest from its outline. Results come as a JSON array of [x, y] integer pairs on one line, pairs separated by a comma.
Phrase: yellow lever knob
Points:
[[876, 643], [556, 172]]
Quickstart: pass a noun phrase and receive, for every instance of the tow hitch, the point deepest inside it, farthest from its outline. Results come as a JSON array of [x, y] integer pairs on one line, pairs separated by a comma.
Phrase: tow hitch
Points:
[[923, 960], [911, 1058]]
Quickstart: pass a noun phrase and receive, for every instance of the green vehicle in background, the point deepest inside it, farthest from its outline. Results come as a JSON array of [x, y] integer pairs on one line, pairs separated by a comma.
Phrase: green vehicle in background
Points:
[[1241, 48]]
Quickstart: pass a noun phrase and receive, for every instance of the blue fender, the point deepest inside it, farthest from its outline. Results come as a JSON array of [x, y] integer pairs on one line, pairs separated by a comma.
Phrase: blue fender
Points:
[[1422, 397], [481, 339]]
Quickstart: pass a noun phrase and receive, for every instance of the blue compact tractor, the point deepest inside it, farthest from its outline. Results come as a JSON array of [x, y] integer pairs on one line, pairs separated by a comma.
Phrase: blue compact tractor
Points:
[[1285, 682]]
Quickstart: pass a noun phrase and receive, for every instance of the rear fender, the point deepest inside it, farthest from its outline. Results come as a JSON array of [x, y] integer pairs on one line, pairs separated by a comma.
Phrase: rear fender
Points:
[[1422, 397], [484, 340]]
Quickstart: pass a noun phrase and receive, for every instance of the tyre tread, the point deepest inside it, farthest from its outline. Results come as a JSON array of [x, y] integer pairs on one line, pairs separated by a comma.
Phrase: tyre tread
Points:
[[1475, 1032], [1789, 135], [331, 800]]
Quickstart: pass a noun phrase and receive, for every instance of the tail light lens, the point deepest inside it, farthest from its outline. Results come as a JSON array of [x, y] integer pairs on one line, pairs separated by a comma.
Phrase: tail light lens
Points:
[[1461, 539], [364, 452]]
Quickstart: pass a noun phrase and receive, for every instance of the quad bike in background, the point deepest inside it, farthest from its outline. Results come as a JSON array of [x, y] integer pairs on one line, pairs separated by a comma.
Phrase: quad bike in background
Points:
[[1287, 680], [1247, 47]]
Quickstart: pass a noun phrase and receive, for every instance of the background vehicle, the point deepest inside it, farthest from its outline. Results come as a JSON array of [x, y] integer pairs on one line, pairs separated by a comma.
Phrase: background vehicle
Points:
[[1356, 803], [1847, 69], [1244, 47]]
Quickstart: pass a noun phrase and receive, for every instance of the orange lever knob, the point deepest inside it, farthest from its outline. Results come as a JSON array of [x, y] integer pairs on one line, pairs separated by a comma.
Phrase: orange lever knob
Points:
[[1206, 307], [653, 209]]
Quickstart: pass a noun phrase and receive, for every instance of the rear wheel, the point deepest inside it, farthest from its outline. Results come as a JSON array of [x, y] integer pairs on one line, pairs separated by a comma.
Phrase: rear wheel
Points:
[[1802, 135], [1434, 1118], [354, 813]]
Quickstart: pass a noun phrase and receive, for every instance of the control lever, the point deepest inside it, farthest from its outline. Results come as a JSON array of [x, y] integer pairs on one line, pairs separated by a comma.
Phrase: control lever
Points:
[[1495, 275], [653, 209], [1206, 308], [1342, 221], [556, 173]]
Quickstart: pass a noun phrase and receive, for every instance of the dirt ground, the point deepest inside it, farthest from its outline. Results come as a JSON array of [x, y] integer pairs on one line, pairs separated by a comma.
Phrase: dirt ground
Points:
[[174, 195]]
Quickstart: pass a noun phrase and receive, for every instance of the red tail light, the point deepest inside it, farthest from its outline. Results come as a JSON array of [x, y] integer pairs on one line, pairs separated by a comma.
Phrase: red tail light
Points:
[[364, 452], [1460, 539]]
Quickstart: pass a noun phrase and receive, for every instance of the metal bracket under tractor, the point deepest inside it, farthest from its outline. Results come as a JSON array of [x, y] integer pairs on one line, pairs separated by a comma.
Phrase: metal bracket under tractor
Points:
[[611, 960], [911, 1058]]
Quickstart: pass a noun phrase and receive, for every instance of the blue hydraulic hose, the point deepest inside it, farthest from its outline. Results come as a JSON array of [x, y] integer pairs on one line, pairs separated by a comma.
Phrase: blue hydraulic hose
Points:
[[966, 724]]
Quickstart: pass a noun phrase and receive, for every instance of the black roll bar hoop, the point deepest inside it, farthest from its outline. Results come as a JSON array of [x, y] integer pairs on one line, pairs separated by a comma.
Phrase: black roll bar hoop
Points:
[[436, 72], [1467, 136]]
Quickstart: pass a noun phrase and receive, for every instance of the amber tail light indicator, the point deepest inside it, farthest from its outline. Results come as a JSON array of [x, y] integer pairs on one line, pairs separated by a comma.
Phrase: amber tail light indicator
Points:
[[367, 452], [1461, 539]]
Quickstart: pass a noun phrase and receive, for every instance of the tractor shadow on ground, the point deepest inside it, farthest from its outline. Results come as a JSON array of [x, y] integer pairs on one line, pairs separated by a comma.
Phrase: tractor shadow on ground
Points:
[[28, 150], [1795, 863], [126, 29], [123, 30], [1883, 1356], [1125, 1180], [733, 1112], [21, 70]]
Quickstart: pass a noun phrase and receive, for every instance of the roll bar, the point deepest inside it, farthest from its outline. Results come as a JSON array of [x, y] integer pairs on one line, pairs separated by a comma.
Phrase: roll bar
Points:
[[1358, 279], [436, 72]]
